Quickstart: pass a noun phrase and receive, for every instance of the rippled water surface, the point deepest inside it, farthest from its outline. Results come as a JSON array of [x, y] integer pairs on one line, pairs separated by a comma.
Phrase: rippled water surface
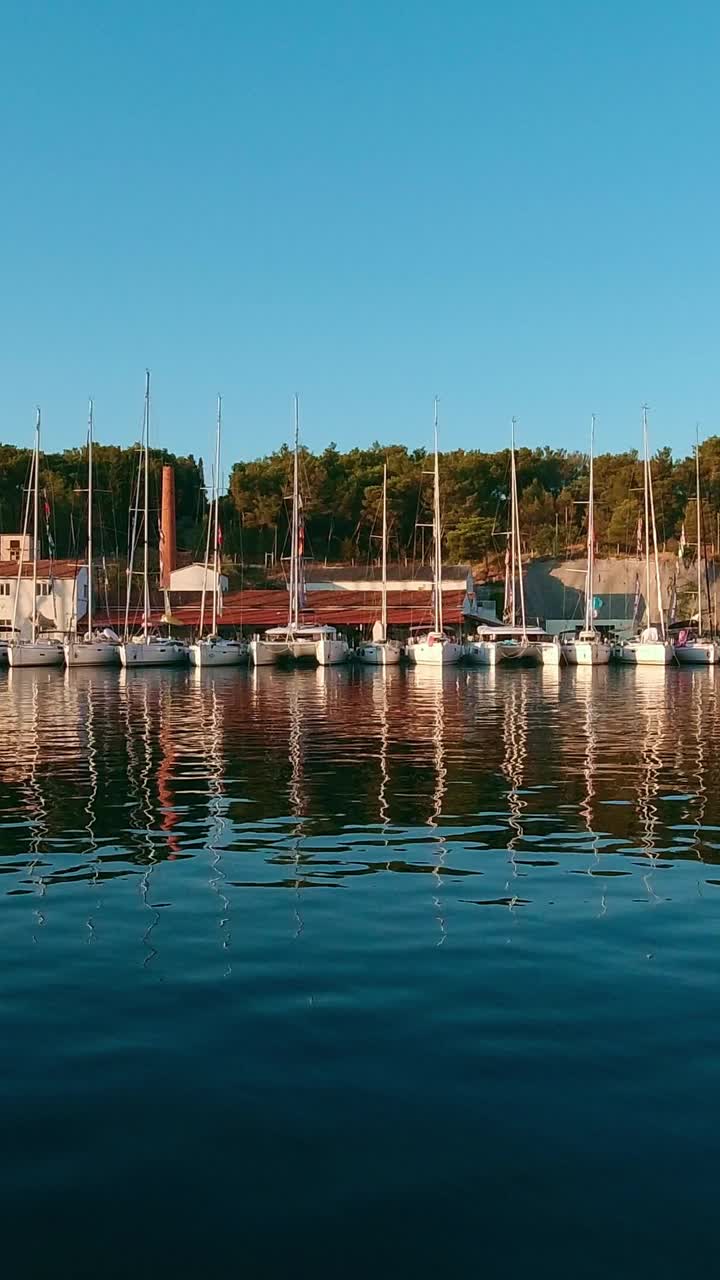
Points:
[[359, 973]]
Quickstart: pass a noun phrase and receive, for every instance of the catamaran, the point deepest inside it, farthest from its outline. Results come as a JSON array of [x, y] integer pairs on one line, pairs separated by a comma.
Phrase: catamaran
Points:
[[512, 642], [380, 651], [148, 648], [435, 648], [214, 650], [652, 646], [33, 652], [588, 648], [699, 647], [298, 640], [92, 650]]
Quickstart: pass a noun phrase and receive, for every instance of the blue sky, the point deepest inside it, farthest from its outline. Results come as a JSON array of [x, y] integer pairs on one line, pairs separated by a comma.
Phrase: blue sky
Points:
[[512, 204]]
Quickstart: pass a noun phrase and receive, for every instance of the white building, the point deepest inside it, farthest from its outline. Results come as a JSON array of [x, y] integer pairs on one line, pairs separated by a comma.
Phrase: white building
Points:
[[61, 595]]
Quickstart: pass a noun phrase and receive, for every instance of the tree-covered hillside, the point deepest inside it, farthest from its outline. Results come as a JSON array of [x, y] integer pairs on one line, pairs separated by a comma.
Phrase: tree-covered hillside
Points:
[[341, 500]]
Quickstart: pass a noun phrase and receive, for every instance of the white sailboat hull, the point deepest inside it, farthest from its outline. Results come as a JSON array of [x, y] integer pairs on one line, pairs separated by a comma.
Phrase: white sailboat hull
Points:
[[91, 653], [586, 653], [264, 653], [383, 653], [218, 653], [330, 653], [482, 654], [551, 654], [645, 653], [434, 653], [698, 652], [152, 653], [38, 654]]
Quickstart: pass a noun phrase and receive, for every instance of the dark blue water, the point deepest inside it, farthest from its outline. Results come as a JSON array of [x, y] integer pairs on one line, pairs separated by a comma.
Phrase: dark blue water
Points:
[[342, 973]]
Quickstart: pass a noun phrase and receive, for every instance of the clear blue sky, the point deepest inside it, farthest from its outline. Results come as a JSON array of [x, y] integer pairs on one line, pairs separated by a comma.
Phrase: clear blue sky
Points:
[[513, 204]]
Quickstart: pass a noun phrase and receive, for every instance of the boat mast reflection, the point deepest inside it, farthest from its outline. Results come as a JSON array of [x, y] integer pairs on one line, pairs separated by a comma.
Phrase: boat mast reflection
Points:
[[515, 734], [649, 779]]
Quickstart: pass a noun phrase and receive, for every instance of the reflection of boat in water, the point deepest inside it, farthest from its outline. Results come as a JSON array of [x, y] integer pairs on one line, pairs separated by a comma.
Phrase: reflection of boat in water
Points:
[[587, 692], [650, 767], [515, 755]]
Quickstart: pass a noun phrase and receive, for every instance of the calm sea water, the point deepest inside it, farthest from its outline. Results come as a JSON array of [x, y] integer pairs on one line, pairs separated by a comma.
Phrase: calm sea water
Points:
[[346, 973]]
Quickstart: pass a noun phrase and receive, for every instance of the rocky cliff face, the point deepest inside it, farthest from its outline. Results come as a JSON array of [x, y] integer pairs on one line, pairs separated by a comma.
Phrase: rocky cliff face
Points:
[[555, 588]]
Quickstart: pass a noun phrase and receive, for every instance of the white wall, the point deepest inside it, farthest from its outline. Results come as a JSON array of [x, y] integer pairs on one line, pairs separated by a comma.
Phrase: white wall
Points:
[[57, 609], [191, 576]]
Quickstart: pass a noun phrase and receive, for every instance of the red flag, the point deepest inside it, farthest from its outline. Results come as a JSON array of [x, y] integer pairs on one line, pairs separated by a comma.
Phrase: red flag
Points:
[[219, 536]]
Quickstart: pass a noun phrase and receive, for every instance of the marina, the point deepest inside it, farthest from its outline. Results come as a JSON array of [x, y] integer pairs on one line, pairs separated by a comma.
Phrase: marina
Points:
[[359, 641], [427, 622]]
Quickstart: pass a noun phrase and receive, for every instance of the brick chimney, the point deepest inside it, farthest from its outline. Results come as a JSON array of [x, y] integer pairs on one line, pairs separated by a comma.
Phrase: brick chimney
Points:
[[168, 542]]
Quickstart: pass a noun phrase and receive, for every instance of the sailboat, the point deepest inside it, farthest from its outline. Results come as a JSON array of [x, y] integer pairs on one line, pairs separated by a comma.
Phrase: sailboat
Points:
[[515, 640], [651, 647], [148, 649], [93, 650], [699, 648], [381, 652], [434, 647], [214, 650], [588, 648], [298, 641], [33, 652]]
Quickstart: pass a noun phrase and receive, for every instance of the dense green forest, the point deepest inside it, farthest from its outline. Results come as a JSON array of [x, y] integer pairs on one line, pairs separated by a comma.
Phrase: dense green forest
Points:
[[341, 493]]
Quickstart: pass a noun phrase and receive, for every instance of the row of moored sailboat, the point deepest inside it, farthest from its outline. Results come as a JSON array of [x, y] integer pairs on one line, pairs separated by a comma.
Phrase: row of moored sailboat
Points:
[[515, 642]]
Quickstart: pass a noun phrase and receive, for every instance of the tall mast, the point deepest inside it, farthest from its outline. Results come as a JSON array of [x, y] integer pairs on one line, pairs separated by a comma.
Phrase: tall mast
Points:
[[437, 533], [36, 500], [90, 521], [512, 617], [517, 553], [658, 583], [384, 557], [294, 614], [26, 521], [146, 521], [589, 588], [206, 565], [646, 477], [216, 567], [700, 548]]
